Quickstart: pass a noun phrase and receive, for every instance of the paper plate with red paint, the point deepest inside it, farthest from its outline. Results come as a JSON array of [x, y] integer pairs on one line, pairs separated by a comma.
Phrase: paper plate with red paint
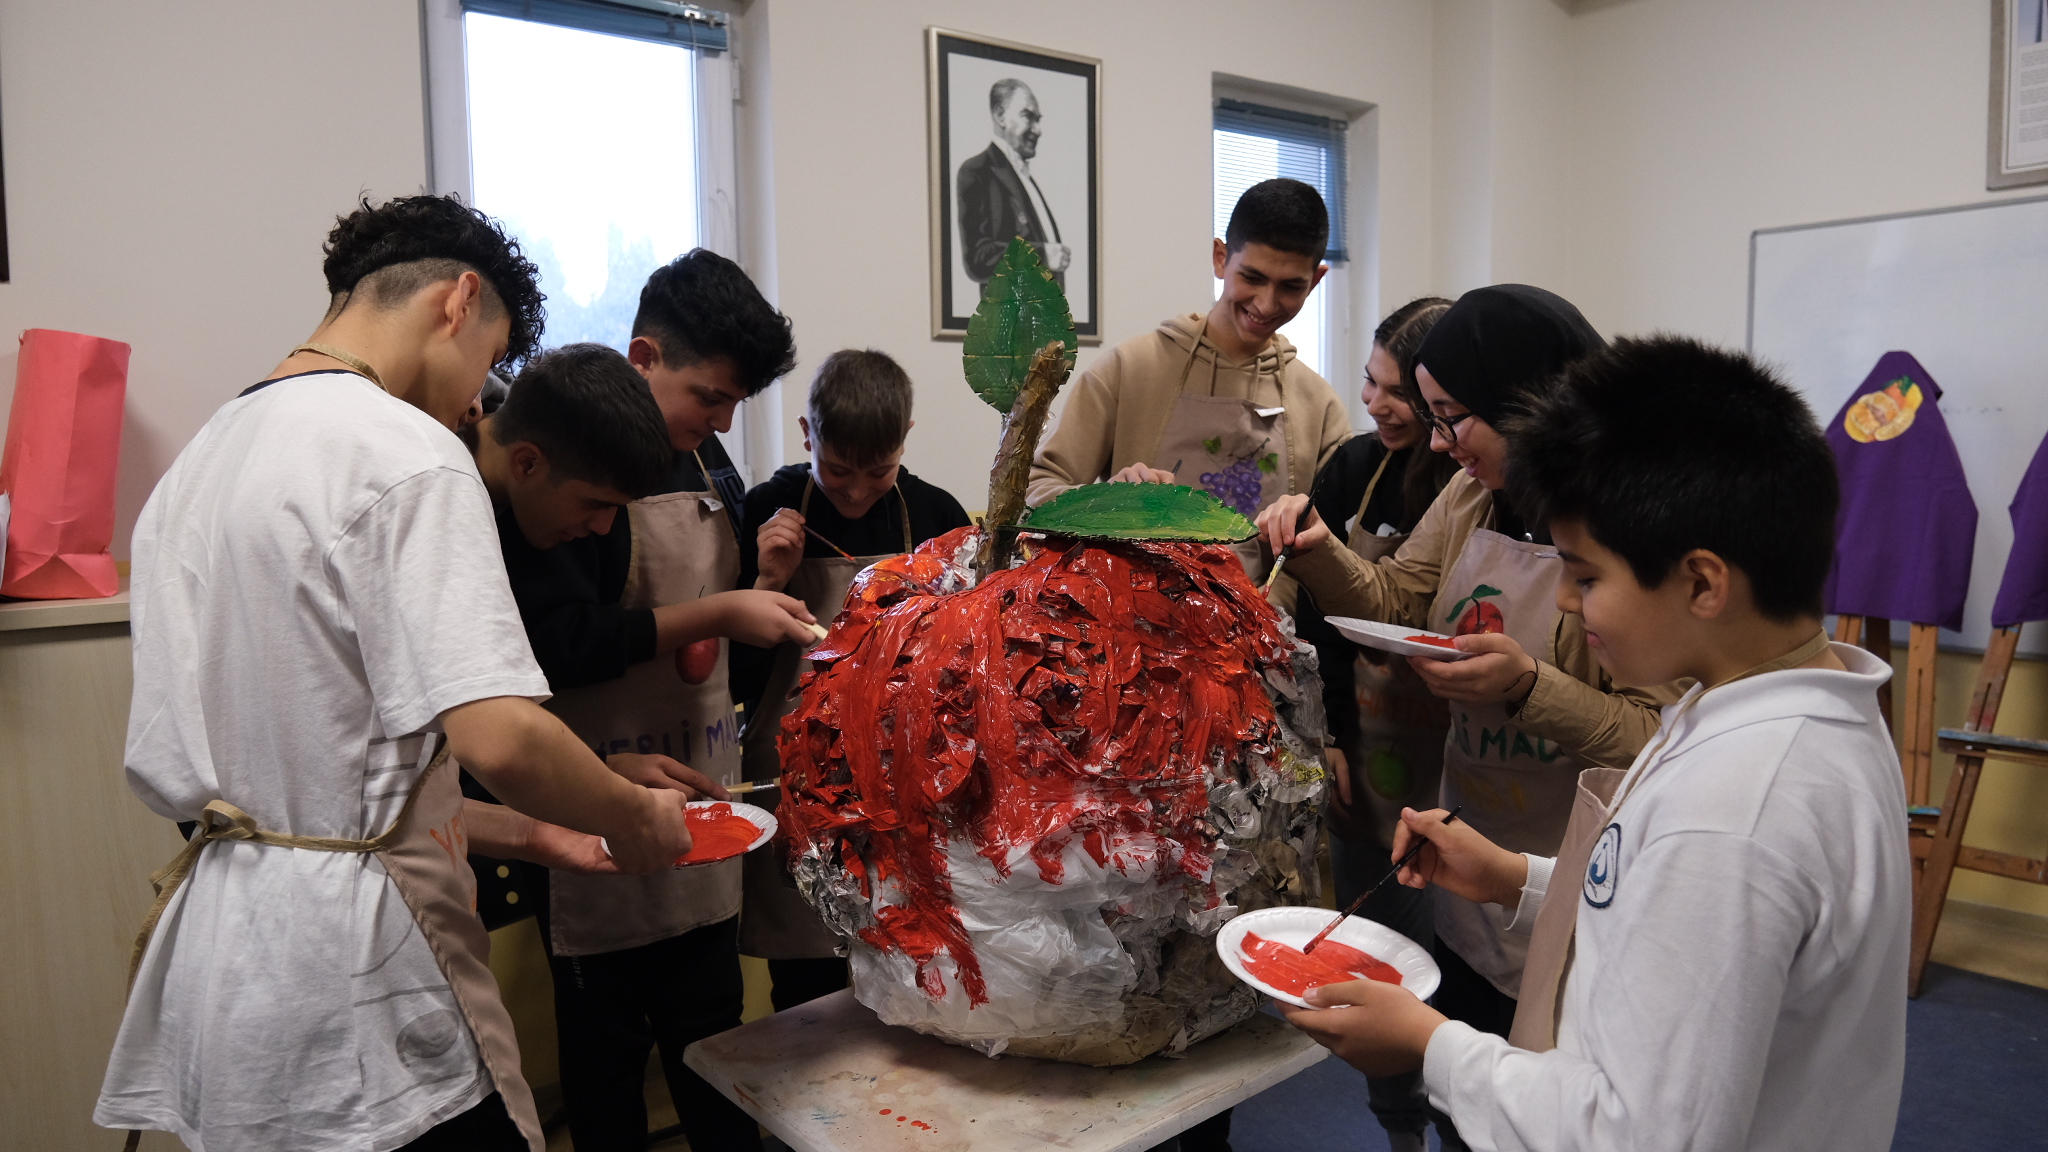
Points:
[[723, 829], [1263, 949], [1397, 639]]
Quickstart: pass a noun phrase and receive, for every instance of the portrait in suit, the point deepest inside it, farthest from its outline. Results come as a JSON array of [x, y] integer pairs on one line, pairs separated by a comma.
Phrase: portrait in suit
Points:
[[999, 197], [1014, 133]]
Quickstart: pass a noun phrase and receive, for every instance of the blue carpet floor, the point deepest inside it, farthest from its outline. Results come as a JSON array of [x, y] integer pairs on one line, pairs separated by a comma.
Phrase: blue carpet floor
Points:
[[1976, 1078]]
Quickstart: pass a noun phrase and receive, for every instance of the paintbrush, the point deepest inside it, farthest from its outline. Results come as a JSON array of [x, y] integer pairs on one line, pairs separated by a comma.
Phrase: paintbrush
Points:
[[820, 538], [1403, 862], [754, 786], [1280, 561]]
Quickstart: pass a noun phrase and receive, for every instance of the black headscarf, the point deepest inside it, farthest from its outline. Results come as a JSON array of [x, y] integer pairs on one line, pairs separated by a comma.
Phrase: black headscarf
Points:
[[1496, 343]]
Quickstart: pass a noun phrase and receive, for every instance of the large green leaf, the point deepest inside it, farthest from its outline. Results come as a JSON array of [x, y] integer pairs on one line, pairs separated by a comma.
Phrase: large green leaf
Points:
[[1140, 512], [1022, 310]]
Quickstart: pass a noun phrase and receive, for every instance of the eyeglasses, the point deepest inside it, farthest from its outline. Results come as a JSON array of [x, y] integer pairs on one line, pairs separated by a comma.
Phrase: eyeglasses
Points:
[[1439, 425]]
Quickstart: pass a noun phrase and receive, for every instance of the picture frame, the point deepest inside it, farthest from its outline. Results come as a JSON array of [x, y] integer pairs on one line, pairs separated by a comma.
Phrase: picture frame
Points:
[[2018, 146], [992, 107]]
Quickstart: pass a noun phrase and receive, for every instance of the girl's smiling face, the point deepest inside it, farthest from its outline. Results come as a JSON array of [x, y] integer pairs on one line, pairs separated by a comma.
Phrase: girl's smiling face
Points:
[[1387, 402], [1454, 430]]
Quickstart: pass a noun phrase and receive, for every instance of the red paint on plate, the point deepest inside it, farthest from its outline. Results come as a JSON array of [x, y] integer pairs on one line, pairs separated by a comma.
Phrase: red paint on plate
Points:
[[1439, 641], [1289, 969], [717, 833]]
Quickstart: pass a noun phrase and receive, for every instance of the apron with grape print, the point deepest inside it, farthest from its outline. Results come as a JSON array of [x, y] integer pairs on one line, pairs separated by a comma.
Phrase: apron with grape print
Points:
[[1232, 448]]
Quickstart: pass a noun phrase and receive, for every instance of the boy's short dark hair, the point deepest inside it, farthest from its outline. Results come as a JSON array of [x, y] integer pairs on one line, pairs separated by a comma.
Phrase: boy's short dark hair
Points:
[[1663, 445], [860, 404], [701, 306], [590, 411], [392, 250], [1285, 215]]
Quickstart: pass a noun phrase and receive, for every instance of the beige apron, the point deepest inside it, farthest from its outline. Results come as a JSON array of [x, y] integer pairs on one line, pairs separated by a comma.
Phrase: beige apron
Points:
[[1399, 758], [1516, 787], [683, 548], [1245, 450], [1593, 809], [775, 923], [425, 853]]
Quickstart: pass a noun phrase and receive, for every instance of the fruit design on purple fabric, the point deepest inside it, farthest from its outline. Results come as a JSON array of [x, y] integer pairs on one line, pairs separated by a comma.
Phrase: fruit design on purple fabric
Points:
[[1238, 483], [1884, 414], [1476, 614]]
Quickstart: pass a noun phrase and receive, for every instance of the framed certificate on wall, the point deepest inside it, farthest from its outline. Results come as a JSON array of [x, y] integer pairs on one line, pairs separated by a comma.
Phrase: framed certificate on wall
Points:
[[2019, 94]]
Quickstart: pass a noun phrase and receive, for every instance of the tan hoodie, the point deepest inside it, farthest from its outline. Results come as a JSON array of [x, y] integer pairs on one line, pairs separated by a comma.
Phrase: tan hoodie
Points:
[[1117, 409]]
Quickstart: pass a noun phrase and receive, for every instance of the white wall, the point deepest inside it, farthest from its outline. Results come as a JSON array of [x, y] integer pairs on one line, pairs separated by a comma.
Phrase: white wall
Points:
[[1693, 124], [171, 170], [850, 204]]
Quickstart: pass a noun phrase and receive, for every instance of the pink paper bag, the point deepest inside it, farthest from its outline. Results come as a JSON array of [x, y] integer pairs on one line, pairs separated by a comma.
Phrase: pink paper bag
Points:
[[63, 450]]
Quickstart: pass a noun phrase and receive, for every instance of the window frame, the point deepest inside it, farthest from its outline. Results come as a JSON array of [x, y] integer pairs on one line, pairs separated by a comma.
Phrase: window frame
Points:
[[444, 75]]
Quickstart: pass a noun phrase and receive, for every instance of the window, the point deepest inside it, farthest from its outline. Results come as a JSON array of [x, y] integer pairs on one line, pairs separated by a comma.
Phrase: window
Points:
[[599, 132], [1254, 143]]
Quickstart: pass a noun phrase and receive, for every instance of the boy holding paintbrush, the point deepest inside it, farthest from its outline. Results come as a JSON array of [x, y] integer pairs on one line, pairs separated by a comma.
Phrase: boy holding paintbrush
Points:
[[808, 530], [1719, 947]]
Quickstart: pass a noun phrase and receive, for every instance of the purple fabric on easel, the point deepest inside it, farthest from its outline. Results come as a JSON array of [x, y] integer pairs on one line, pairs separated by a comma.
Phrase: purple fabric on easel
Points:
[[2023, 593], [1908, 526]]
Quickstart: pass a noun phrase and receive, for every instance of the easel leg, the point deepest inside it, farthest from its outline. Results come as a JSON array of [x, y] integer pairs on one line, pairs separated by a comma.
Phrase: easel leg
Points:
[[1930, 888], [1918, 737]]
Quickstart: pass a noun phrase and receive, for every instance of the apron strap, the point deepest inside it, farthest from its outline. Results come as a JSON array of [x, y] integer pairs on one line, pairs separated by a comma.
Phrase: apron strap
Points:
[[1372, 486], [803, 508], [239, 825], [355, 364]]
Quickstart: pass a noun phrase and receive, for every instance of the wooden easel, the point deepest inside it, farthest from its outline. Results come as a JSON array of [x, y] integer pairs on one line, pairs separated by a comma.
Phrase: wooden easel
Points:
[[1936, 834]]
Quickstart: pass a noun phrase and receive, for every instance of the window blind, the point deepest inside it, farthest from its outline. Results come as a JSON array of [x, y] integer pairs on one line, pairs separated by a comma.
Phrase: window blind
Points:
[[1256, 143], [661, 21]]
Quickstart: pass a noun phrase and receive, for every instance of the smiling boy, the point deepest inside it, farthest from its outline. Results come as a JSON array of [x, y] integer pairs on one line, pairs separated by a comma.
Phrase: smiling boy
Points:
[[808, 530], [1719, 947], [1218, 401]]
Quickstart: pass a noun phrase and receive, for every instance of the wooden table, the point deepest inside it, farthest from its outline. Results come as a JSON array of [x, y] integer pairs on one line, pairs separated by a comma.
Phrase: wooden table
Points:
[[829, 1077]]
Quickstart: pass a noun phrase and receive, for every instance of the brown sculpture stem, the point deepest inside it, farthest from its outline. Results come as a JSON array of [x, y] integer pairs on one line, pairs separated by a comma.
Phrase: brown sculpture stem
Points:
[[1012, 471]]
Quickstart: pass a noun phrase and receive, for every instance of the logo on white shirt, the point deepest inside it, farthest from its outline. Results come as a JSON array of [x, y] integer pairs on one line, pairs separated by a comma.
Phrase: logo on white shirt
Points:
[[1604, 868]]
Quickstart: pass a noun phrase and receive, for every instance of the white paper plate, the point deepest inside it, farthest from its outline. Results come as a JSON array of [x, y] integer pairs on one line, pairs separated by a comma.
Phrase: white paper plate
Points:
[[761, 818], [1393, 638], [1297, 926]]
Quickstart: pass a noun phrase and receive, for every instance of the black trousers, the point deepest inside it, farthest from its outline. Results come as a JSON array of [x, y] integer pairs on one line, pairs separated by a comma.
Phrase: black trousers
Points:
[[486, 1127], [794, 982], [611, 1009], [1466, 996]]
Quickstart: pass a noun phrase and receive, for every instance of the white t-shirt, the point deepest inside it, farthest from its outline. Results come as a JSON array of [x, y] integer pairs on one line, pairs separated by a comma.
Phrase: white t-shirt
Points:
[[1739, 975], [316, 579]]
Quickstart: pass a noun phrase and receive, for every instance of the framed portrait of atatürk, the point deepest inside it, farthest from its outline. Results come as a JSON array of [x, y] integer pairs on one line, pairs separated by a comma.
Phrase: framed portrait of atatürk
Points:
[[1016, 150]]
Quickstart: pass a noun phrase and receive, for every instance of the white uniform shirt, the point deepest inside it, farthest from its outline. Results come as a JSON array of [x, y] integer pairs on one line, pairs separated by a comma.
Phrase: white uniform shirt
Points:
[[1739, 979], [316, 579]]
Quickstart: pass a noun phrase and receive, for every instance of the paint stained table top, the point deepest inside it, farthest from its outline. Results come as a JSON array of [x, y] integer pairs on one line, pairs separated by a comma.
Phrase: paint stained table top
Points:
[[829, 1077]]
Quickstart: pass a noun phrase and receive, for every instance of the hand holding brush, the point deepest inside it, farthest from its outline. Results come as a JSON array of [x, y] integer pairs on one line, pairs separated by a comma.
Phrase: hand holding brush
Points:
[[1406, 859]]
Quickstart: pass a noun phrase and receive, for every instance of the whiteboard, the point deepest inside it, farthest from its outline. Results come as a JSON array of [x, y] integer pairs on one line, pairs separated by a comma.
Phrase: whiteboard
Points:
[[1965, 290]]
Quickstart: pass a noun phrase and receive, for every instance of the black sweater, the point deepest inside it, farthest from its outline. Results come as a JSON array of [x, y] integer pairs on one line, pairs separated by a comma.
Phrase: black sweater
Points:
[[568, 595], [1338, 489], [933, 512]]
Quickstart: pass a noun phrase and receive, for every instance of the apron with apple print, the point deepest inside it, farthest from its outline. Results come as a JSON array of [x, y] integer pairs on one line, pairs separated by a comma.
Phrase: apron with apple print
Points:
[[1517, 788]]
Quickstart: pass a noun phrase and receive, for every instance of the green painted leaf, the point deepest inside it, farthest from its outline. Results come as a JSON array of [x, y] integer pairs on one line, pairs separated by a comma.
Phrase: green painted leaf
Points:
[[1022, 310], [1213, 445], [1140, 512], [1269, 463]]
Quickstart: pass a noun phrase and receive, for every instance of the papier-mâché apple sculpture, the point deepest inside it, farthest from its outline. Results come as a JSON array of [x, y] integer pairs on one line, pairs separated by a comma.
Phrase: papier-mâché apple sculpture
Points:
[[1038, 763]]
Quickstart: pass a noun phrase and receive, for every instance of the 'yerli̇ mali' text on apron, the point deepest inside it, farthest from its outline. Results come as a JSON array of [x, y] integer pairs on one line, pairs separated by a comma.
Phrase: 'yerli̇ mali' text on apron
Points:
[[1516, 787], [684, 547]]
